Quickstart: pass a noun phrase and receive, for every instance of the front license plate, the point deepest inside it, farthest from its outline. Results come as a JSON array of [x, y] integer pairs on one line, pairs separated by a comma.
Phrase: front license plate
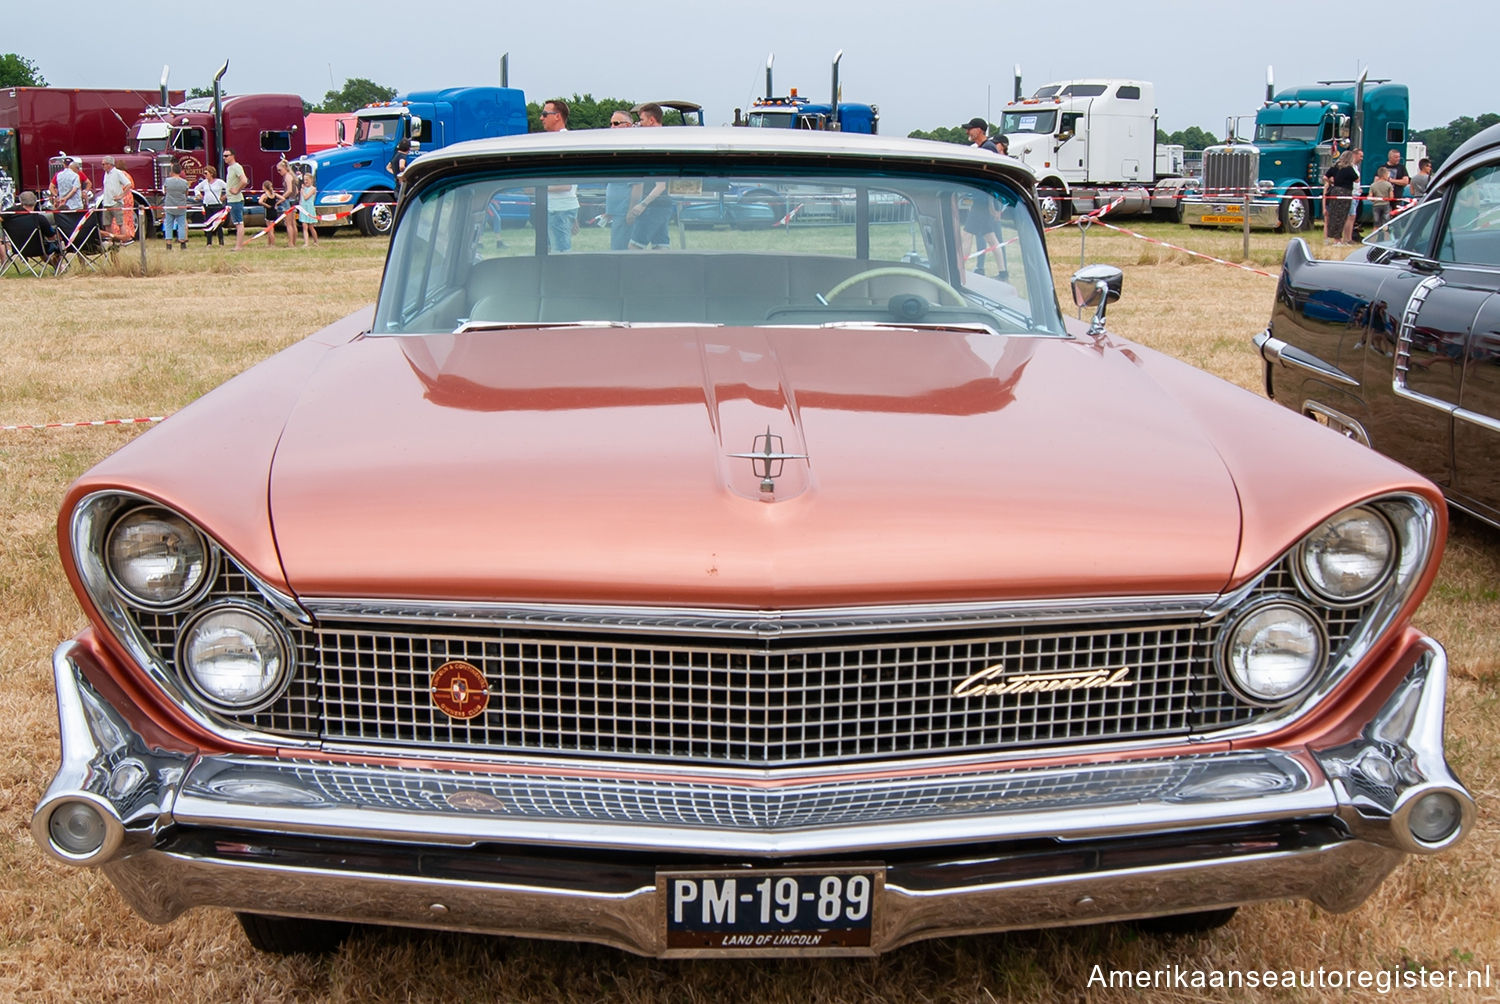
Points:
[[784, 910], [1223, 219]]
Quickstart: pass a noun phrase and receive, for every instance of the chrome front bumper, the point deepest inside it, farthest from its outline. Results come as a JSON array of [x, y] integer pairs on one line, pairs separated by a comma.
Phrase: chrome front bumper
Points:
[[1231, 213], [572, 852]]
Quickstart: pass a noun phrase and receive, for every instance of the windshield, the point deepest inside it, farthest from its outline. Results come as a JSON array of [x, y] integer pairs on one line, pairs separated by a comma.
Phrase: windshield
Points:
[[377, 130], [773, 120], [1275, 132], [674, 246], [1028, 121], [149, 137]]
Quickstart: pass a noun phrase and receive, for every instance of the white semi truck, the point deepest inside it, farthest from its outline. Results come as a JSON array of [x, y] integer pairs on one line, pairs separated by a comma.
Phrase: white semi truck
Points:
[[1092, 141]]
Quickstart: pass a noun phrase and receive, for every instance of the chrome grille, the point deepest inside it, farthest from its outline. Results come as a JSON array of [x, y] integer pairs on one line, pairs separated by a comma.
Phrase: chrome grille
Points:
[[749, 690], [760, 703], [1230, 171]]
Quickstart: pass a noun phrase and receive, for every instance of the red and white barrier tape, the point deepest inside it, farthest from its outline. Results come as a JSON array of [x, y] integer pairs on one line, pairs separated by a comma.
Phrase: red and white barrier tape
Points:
[[788, 217], [82, 425], [1187, 251]]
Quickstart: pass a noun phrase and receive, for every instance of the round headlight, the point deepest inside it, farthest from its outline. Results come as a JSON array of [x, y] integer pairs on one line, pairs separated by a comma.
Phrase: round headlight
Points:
[[1274, 651], [156, 558], [234, 657], [1349, 557]]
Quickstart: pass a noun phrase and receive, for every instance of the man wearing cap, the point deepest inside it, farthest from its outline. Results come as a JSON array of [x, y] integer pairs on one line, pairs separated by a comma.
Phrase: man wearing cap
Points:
[[980, 219], [112, 196]]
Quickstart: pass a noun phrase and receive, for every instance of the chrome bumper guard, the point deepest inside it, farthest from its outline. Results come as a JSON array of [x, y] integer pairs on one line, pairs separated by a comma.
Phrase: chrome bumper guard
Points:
[[1038, 846]]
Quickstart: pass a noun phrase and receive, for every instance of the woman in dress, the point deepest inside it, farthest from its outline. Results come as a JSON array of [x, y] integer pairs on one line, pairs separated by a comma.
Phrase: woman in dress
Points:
[[306, 212]]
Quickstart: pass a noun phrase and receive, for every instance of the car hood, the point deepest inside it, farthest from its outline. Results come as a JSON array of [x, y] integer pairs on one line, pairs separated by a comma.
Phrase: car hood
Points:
[[620, 466]]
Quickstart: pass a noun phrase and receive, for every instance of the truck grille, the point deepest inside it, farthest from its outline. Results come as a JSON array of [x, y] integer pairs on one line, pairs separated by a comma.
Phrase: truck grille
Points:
[[1230, 171], [705, 691]]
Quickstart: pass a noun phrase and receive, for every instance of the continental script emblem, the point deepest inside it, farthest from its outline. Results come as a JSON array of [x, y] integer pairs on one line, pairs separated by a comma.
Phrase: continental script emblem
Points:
[[460, 690], [992, 681], [474, 801]]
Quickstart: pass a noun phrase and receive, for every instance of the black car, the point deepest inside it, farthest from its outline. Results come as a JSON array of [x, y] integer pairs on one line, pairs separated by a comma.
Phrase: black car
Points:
[[1398, 346]]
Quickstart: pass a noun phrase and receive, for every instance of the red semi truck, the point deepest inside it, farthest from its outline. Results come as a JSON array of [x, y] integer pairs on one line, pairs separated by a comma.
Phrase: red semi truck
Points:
[[261, 129], [39, 123]]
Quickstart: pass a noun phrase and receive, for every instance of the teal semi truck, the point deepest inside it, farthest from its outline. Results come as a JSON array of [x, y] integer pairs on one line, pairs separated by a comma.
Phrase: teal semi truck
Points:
[[1299, 131], [355, 183]]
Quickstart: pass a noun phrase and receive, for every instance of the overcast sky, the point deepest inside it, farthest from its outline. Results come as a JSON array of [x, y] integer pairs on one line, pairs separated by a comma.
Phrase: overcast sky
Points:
[[923, 63]]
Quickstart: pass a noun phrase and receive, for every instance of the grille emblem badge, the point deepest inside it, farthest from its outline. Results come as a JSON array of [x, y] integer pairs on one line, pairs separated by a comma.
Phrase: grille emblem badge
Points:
[[460, 690], [767, 459], [992, 681]]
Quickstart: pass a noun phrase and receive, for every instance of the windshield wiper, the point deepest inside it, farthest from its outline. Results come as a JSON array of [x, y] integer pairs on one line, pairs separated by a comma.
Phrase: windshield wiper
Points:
[[468, 326]]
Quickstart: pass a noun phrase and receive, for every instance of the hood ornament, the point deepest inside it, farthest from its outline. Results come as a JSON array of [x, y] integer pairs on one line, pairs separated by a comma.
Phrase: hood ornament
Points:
[[767, 459]]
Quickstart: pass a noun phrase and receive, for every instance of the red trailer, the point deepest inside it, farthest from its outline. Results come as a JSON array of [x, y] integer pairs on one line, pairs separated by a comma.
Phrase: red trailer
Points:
[[38, 123]]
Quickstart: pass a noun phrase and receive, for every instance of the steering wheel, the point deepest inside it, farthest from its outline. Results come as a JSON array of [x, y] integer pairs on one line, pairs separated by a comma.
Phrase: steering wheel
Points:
[[871, 273]]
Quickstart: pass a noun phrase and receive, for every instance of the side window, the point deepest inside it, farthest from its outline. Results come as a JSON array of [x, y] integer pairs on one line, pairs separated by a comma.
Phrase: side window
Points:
[[1471, 235], [278, 141], [1395, 132], [424, 134], [1128, 91], [187, 139]]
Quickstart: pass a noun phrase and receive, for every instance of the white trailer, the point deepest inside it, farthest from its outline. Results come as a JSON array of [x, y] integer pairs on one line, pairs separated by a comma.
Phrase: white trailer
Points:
[[1091, 141]]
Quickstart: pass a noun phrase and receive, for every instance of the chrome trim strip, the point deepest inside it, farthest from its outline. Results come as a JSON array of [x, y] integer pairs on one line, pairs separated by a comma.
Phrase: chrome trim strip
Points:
[[818, 622], [1402, 359], [1348, 427], [1475, 418], [1275, 350]]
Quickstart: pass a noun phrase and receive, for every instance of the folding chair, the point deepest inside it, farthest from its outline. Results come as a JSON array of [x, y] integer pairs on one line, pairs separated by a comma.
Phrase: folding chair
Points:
[[26, 250], [81, 239]]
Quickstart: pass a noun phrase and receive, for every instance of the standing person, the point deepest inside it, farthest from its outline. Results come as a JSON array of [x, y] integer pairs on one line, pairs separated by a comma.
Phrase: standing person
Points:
[[67, 188], [307, 213], [1351, 222], [1338, 196], [562, 200], [1398, 176], [617, 195], [211, 192], [235, 183], [652, 210], [114, 189], [980, 219], [174, 207], [1420, 180], [286, 202], [398, 162], [268, 203], [1380, 195]]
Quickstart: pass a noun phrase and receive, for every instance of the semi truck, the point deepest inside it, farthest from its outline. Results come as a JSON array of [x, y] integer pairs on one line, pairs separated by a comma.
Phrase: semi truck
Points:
[[1092, 141], [261, 129], [1298, 133], [355, 183], [38, 124], [795, 111]]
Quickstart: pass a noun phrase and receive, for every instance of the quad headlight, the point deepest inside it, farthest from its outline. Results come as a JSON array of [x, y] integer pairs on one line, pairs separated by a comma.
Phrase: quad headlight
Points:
[[234, 657], [1273, 651], [1349, 557], [156, 558]]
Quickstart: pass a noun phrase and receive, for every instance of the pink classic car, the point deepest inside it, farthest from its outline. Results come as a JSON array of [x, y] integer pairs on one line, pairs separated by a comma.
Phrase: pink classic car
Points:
[[814, 588]]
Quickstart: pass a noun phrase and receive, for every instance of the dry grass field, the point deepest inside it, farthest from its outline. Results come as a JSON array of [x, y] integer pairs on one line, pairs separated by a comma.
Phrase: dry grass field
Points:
[[123, 345]]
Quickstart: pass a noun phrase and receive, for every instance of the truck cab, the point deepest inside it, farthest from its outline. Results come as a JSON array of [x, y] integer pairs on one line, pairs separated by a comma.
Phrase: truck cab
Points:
[[355, 183], [1298, 133], [797, 112]]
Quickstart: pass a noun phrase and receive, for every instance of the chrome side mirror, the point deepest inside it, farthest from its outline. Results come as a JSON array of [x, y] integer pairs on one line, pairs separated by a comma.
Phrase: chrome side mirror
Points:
[[1097, 286]]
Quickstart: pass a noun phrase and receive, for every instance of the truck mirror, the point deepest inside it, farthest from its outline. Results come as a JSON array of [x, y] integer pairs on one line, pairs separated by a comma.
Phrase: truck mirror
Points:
[[338, 131], [415, 127]]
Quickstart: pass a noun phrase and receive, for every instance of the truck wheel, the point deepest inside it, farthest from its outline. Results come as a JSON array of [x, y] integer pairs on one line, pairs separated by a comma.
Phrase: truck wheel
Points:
[[1053, 201], [1172, 215], [293, 935], [1295, 212], [380, 217]]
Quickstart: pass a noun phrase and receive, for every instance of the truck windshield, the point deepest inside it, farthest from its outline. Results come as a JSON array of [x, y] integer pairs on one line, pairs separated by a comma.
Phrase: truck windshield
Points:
[[377, 130], [149, 137], [1029, 121], [773, 120], [743, 248], [1276, 132]]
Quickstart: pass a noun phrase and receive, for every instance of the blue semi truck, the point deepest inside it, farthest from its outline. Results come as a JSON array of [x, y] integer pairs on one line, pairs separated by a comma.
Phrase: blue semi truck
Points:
[[793, 111], [355, 183], [1298, 133]]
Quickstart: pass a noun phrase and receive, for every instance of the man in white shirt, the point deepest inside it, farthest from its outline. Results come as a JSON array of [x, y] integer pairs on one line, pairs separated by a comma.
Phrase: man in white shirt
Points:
[[67, 188], [562, 200], [112, 195]]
